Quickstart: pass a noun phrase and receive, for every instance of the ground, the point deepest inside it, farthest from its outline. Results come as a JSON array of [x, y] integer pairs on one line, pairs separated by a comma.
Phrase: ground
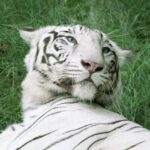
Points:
[[126, 22]]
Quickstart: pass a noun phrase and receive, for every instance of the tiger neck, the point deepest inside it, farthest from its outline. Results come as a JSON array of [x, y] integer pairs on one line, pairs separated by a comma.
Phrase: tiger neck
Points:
[[34, 95]]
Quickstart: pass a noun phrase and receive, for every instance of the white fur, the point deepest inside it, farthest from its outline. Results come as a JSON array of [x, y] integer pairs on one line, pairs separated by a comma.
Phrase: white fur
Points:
[[89, 47], [84, 94], [46, 109], [65, 122]]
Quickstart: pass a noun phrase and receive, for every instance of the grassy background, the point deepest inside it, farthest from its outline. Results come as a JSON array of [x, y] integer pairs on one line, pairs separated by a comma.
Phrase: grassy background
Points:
[[126, 21]]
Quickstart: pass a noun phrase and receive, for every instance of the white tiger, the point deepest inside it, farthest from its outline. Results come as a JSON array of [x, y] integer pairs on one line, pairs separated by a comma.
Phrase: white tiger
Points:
[[71, 70]]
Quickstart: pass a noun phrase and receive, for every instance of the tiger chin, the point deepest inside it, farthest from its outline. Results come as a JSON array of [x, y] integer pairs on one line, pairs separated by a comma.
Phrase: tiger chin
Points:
[[71, 60]]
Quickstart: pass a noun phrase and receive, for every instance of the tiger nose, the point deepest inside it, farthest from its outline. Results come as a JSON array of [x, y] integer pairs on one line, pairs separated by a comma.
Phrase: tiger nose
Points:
[[91, 66]]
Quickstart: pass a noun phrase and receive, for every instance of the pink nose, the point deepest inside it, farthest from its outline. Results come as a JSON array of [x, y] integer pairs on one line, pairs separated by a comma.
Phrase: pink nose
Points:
[[91, 66]]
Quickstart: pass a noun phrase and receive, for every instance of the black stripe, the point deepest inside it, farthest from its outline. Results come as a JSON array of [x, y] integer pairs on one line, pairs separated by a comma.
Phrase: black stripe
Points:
[[142, 130], [37, 52], [56, 48], [60, 99], [35, 138], [43, 74], [113, 68], [67, 31], [80, 28], [43, 60], [70, 30], [46, 41], [99, 134], [61, 36], [54, 34], [101, 36], [95, 142], [114, 122], [132, 128], [69, 103], [87, 125], [52, 55], [65, 138], [134, 145], [54, 113], [55, 100], [13, 128], [60, 62], [35, 122]]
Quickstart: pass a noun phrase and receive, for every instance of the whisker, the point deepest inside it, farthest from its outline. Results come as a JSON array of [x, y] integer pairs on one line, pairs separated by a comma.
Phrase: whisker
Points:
[[103, 76], [72, 66], [71, 70]]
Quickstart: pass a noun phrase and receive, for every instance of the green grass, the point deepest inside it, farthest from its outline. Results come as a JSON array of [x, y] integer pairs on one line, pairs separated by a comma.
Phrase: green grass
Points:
[[126, 21]]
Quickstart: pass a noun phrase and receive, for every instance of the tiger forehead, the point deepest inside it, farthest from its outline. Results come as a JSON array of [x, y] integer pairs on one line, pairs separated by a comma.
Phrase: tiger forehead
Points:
[[87, 34], [73, 29], [80, 33], [76, 30]]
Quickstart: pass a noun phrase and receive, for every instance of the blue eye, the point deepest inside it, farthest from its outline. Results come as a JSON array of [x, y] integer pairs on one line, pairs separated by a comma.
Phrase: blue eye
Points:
[[106, 50], [72, 40]]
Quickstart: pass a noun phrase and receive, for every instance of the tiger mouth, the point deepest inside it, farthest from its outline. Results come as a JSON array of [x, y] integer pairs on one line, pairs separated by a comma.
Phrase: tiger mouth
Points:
[[89, 79], [65, 83], [68, 83]]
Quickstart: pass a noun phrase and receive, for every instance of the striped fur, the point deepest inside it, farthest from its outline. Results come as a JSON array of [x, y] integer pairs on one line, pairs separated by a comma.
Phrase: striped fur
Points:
[[69, 124], [60, 97], [55, 63]]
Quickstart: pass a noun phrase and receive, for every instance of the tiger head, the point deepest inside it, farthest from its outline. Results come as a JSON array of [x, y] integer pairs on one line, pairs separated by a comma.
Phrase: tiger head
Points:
[[76, 60]]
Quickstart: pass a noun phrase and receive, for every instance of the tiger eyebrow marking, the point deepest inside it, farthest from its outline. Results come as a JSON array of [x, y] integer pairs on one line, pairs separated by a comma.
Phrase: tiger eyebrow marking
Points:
[[44, 58], [52, 55], [37, 52], [55, 34], [60, 62], [66, 31], [46, 41]]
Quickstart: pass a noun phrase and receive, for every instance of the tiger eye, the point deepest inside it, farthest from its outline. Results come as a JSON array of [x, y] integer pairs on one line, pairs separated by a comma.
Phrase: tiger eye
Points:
[[106, 50], [72, 39]]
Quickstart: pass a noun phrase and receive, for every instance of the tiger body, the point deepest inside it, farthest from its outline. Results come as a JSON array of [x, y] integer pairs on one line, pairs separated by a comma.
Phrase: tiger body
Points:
[[72, 70], [69, 124]]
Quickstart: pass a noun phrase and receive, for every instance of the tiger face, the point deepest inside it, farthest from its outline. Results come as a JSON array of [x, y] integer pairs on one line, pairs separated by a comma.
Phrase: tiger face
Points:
[[76, 60]]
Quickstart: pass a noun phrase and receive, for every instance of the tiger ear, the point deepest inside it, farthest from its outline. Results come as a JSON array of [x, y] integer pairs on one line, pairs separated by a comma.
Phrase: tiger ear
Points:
[[27, 34], [124, 55]]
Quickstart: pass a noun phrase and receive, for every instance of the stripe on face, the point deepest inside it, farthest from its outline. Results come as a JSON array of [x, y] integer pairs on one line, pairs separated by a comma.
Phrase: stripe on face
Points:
[[53, 52]]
